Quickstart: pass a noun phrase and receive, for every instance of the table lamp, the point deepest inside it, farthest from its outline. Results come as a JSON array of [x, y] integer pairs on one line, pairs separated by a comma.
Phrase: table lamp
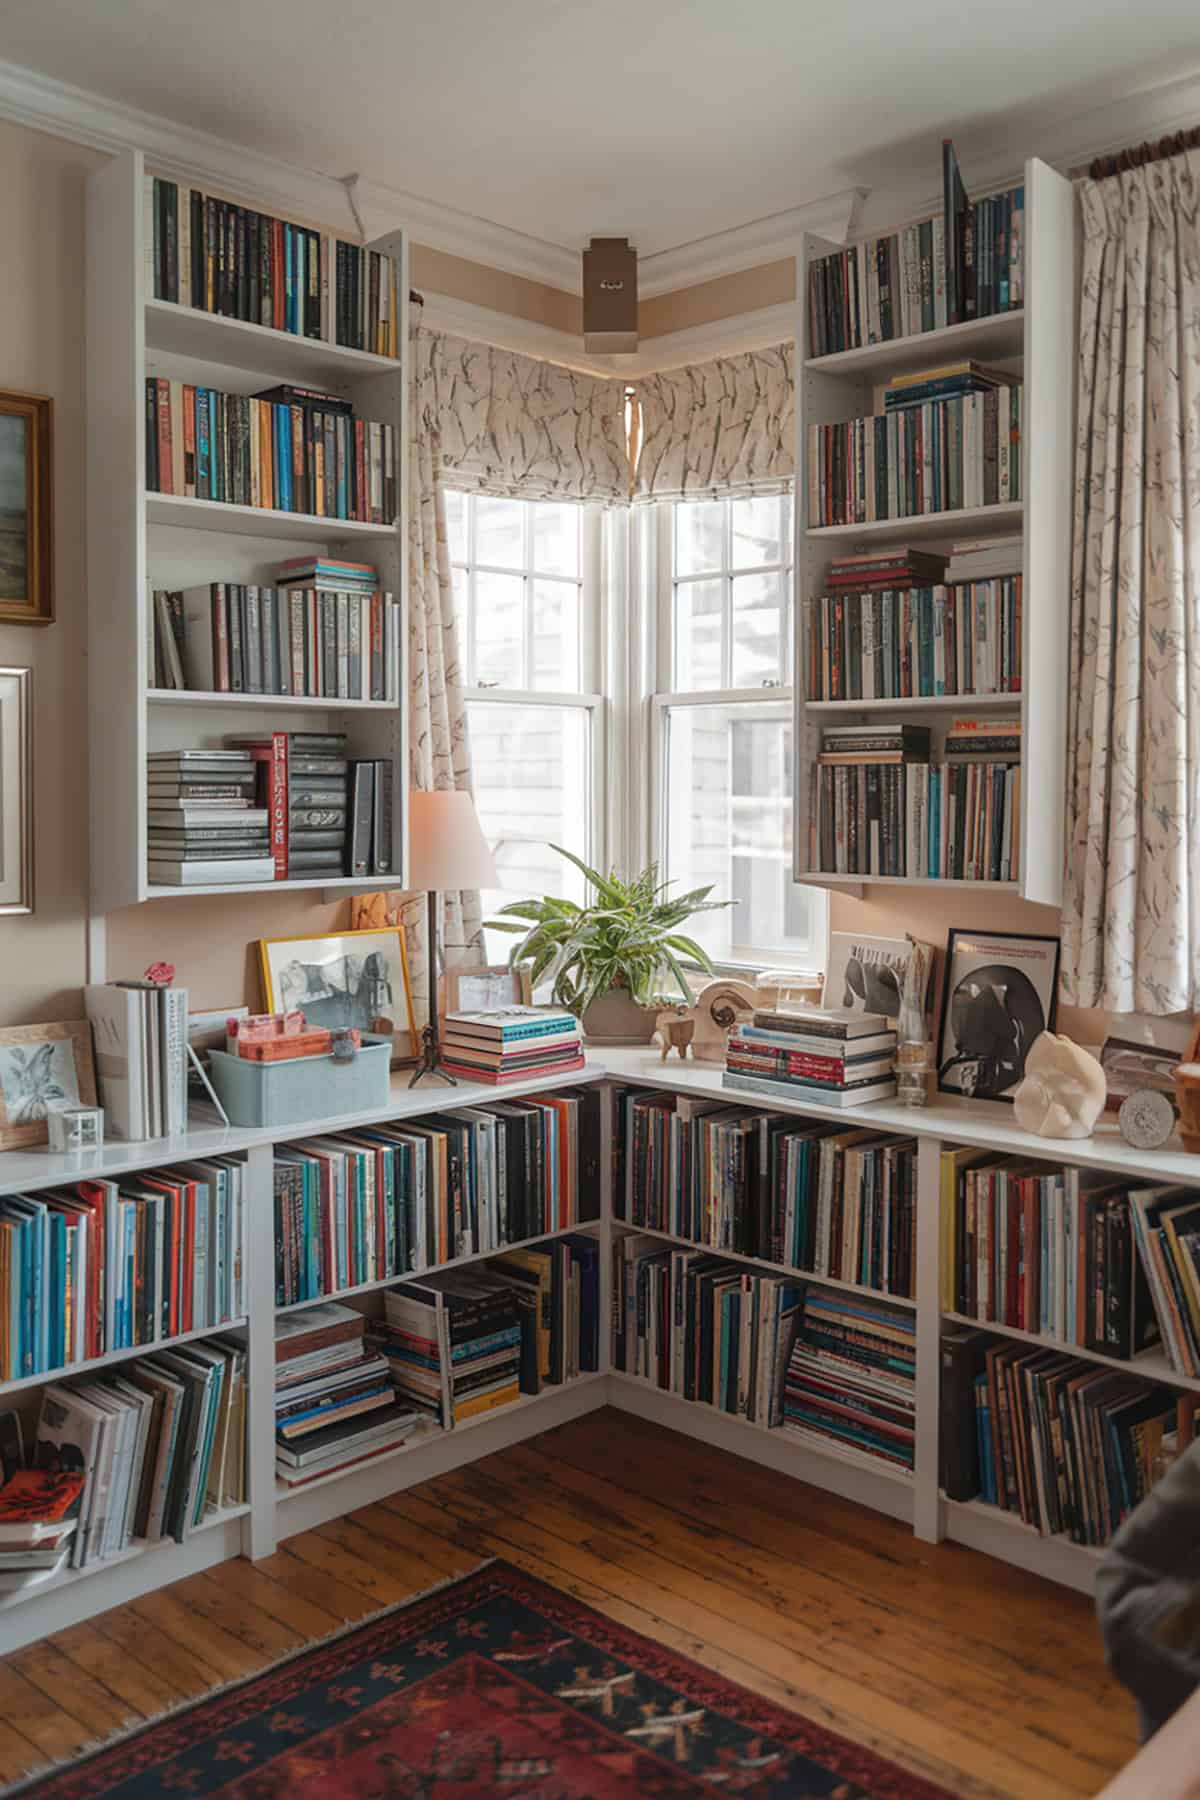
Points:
[[446, 849]]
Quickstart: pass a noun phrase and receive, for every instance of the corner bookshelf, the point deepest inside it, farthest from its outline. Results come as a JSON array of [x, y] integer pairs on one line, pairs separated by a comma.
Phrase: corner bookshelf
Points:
[[139, 540], [1037, 340]]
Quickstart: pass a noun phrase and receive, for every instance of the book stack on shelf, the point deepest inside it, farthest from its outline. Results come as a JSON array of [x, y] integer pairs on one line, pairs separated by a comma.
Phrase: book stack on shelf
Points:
[[202, 823], [205, 252], [335, 1404], [852, 1376], [321, 808], [288, 449], [964, 263], [454, 1344], [831, 1054], [39, 1515], [983, 559], [512, 1043], [326, 631], [140, 1034]]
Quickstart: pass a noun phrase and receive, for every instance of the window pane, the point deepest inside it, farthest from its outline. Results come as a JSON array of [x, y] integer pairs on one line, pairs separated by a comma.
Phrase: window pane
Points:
[[699, 536], [757, 526], [456, 525], [499, 538], [556, 538], [556, 635], [729, 823], [499, 629], [698, 634], [758, 628]]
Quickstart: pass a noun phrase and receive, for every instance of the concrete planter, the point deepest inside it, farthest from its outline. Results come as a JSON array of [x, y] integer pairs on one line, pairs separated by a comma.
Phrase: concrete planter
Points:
[[616, 1018]]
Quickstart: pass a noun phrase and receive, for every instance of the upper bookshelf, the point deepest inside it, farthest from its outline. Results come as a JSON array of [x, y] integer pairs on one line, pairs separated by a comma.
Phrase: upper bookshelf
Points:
[[1030, 345], [142, 539]]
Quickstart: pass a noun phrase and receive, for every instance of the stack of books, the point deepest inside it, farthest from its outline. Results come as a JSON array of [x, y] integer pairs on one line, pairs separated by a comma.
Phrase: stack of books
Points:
[[909, 642], [208, 253], [334, 1400], [851, 1377], [830, 1054], [304, 784], [979, 559], [286, 454], [512, 1044], [202, 823], [557, 1289], [140, 1034], [39, 1514], [454, 1344]]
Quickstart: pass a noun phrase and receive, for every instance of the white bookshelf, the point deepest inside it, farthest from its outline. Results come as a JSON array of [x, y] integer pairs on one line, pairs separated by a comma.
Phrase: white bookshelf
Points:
[[139, 540], [1038, 340]]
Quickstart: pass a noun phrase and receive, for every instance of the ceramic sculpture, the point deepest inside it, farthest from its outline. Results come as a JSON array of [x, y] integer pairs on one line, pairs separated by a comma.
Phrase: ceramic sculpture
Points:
[[1063, 1092]]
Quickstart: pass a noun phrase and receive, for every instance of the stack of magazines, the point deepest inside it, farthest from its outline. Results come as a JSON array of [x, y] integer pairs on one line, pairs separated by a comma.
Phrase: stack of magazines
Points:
[[829, 1054], [512, 1044]]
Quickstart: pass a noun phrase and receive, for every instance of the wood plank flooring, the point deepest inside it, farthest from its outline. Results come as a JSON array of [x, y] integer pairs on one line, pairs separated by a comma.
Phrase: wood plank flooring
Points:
[[977, 1675]]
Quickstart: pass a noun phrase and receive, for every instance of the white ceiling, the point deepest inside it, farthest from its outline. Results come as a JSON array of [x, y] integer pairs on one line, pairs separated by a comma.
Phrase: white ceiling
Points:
[[663, 120]]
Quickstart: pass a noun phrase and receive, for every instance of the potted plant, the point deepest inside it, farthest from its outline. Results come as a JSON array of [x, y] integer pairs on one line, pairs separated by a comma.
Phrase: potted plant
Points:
[[609, 959]]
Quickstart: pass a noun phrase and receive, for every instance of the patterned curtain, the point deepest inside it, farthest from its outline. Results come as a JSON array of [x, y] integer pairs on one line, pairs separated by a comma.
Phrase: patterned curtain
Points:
[[1131, 911], [722, 427]]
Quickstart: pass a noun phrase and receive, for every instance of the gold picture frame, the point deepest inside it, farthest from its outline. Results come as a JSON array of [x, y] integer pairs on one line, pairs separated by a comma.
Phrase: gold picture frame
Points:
[[16, 790], [26, 509], [42, 1067], [346, 978]]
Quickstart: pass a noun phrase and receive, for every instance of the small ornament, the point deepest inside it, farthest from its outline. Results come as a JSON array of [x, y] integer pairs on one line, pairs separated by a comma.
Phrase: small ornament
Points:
[[73, 1129], [675, 1028], [161, 974], [345, 1044], [1147, 1118], [914, 1051], [1064, 1089]]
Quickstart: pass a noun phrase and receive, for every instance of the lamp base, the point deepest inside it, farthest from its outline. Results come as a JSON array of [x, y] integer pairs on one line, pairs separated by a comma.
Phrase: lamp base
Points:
[[431, 1060]]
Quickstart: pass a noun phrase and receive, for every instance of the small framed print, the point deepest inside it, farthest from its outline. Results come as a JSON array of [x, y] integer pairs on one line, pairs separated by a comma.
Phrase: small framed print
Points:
[[356, 978], [1000, 993], [26, 510], [16, 791], [487, 990], [43, 1069]]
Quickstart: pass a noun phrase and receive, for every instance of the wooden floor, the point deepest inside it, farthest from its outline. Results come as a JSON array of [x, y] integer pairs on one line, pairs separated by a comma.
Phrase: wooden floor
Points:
[[980, 1676]]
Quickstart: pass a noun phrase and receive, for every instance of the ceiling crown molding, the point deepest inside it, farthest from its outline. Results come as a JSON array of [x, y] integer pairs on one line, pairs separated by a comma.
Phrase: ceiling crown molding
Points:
[[767, 240]]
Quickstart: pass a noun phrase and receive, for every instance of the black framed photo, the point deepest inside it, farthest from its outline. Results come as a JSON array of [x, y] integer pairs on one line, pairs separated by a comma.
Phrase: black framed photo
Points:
[[1000, 993]]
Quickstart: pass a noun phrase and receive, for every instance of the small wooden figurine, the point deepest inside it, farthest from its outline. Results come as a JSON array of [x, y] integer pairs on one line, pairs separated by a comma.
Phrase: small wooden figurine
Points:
[[674, 1027], [718, 1008]]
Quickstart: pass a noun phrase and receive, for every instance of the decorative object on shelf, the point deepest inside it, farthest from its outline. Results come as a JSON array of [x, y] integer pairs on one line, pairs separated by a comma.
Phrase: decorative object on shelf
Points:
[[790, 987], [611, 956], [914, 1051], [867, 974], [346, 978], [446, 851], [76, 1128], [675, 1028], [1063, 1089], [718, 1008], [487, 990], [1142, 1051], [161, 974], [1147, 1118], [26, 510], [42, 1067], [345, 1044], [999, 995], [16, 778], [280, 1092], [1187, 1092]]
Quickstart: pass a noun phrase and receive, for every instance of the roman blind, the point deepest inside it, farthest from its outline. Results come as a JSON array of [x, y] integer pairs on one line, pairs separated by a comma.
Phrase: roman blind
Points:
[[720, 427]]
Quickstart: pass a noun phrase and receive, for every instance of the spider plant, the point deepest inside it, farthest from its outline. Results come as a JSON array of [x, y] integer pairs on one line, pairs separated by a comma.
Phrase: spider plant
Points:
[[627, 936]]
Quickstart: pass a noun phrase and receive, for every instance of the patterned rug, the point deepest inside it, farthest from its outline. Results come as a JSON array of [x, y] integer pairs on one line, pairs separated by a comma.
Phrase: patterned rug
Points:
[[492, 1685]]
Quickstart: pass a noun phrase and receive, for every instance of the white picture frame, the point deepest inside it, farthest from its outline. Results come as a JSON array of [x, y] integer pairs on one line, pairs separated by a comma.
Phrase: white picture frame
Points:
[[16, 791]]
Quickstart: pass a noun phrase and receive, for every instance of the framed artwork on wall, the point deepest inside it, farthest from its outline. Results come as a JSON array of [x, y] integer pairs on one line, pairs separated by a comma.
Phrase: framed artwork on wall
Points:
[[357, 978], [1000, 993], [43, 1068], [26, 510], [16, 791]]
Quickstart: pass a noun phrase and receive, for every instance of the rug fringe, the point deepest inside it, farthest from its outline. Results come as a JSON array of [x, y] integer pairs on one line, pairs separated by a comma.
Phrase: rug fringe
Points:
[[96, 1745]]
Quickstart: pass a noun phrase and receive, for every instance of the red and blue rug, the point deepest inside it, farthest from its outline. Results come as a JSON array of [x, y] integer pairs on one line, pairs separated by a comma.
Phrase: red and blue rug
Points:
[[492, 1685]]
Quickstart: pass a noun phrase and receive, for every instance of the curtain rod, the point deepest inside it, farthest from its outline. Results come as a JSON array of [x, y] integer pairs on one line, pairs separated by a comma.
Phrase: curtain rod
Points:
[[1138, 155]]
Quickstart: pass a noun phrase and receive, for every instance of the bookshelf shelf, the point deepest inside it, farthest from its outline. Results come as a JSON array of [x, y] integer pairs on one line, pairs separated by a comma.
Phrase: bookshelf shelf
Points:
[[93, 1364], [821, 878], [919, 703], [1001, 1534], [999, 336], [186, 331], [297, 702], [258, 521], [756, 1262], [1150, 1365], [964, 522], [163, 1552], [335, 884]]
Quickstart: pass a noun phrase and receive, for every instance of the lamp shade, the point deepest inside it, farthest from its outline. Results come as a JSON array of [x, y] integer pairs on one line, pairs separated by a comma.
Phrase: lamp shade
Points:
[[446, 845]]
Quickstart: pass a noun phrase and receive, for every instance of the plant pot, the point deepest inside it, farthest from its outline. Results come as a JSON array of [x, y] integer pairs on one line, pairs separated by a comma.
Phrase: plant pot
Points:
[[616, 1018]]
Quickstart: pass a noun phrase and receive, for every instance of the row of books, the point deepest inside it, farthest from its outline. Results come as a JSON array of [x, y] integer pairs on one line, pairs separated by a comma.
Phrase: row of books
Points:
[[851, 1377], [326, 813], [141, 1452], [941, 456], [464, 1342], [97, 1265], [880, 807], [139, 1029], [511, 1044], [287, 450], [388, 1200], [228, 637], [963, 263], [208, 253], [798, 1193], [334, 1400], [913, 643], [1066, 1446]]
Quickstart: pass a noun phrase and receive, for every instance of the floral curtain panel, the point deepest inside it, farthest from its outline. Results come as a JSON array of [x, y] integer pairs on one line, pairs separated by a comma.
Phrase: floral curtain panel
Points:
[[1131, 911], [508, 424], [721, 427]]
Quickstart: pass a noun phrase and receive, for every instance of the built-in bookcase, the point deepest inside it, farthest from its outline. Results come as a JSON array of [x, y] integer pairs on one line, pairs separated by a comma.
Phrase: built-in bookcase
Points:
[[138, 541], [1036, 340]]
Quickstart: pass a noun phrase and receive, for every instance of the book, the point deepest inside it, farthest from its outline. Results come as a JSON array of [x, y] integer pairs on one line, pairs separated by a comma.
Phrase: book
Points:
[[231, 870]]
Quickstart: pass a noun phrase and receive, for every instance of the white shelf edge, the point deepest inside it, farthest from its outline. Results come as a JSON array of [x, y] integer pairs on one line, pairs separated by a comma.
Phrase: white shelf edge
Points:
[[758, 1262], [1148, 1365], [344, 884], [821, 878], [940, 524], [172, 327], [918, 703], [91, 1365], [302, 702], [910, 351], [68, 1578], [186, 510]]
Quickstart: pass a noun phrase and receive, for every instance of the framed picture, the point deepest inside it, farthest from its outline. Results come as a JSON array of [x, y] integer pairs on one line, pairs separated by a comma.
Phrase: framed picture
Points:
[[1000, 992], [16, 791], [347, 978], [26, 519], [866, 974], [43, 1068], [487, 990]]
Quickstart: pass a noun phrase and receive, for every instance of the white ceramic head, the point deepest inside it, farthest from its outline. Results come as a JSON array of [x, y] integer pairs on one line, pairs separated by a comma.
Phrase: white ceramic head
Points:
[[1063, 1091]]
